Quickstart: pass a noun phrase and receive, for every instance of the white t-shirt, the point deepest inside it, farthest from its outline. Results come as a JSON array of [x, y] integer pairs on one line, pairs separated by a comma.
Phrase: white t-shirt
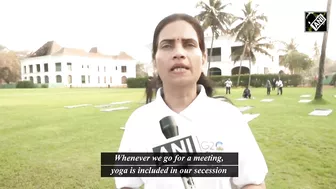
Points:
[[279, 83], [210, 120], [228, 83]]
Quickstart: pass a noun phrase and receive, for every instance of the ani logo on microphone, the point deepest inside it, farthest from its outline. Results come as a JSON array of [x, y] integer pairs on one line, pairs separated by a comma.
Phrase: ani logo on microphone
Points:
[[316, 21], [182, 145]]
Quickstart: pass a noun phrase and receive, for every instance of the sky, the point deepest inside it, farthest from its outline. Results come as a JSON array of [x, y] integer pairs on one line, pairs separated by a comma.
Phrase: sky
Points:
[[128, 25]]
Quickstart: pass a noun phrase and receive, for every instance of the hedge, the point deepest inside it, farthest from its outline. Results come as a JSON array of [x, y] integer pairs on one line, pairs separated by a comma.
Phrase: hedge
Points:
[[30, 84], [139, 82], [257, 80]]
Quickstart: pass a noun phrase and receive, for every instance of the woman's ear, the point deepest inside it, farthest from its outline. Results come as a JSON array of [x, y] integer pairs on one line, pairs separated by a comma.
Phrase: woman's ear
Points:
[[154, 67], [204, 58]]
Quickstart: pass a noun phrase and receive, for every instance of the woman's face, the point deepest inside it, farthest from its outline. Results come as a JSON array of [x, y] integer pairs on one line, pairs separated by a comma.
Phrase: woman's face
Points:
[[179, 59]]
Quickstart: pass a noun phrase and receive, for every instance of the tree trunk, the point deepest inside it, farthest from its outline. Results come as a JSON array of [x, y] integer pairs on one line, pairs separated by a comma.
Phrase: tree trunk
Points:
[[210, 56], [241, 61], [249, 81], [319, 85]]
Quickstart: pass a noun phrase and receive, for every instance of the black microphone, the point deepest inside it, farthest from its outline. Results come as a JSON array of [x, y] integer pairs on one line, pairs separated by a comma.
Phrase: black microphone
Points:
[[169, 129]]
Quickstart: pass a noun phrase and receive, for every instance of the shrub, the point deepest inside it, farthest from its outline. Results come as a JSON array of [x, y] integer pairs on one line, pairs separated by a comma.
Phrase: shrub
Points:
[[25, 84], [257, 80], [139, 82]]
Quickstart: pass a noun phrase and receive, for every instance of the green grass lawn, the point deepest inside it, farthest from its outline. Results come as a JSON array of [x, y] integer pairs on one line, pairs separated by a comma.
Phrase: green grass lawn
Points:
[[44, 145]]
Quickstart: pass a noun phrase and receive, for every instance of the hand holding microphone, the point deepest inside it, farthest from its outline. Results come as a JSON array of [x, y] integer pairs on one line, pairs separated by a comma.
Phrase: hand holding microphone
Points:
[[169, 130]]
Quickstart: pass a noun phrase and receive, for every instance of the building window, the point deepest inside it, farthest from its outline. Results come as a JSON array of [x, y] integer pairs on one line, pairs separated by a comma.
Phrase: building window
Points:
[[116, 67], [104, 68], [216, 54], [24, 69], [266, 70], [30, 68], [58, 79], [69, 79], [98, 68], [123, 79], [88, 67], [88, 79], [58, 66], [98, 79], [38, 79], [38, 69], [46, 67], [69, 65], [31, 79], [235, 49], [104, 79], [123, 69], [46, 79], [110, 79], [83, 79], [281, 59]]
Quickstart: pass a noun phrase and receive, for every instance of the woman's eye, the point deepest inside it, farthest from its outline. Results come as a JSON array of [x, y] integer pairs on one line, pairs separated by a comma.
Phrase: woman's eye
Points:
[[165, 46], [191, 45]]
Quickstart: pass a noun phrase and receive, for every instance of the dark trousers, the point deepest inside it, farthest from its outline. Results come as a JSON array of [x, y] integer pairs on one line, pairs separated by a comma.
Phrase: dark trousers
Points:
[[228, 90], [268, 90], [149, 96], [247, 95], [280, 91], [273, 87]]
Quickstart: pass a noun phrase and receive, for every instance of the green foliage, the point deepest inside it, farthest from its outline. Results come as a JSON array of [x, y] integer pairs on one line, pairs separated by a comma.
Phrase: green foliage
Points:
[[7, 86], [139, 82], [333, 80], [297, 61], [25, 84], [257, 80]]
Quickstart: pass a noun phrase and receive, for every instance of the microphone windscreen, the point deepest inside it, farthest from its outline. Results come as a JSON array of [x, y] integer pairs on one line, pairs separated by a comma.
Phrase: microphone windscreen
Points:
[[169, 127]]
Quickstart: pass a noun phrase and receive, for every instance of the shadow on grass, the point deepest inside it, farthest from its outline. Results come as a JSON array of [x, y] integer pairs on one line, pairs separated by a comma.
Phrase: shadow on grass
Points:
[[319, 102]]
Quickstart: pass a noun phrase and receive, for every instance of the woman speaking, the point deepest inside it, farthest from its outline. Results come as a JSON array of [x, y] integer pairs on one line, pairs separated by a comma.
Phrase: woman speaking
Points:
[[179, 53]]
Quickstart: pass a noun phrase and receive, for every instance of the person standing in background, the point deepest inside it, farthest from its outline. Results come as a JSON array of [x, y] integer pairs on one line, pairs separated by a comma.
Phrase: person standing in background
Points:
[[149, 90], [268, 86], [279, 84], [228, 84], [273, 84]]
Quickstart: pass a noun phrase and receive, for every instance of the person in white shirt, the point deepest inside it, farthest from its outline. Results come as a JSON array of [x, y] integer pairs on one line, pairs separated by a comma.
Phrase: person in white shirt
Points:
[[279, 84], [228, 84], [179, 53]]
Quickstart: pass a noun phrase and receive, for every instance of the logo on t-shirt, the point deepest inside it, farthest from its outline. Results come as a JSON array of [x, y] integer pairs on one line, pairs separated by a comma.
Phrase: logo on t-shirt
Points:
[[208, 146], [219, 146]]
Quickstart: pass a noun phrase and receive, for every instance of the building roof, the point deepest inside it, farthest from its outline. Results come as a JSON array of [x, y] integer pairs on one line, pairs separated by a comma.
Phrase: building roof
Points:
[[52, 48]]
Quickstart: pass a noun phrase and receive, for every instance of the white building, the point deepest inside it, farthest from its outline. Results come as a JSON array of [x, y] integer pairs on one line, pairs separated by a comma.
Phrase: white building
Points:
[[64, 67], [222, 64]]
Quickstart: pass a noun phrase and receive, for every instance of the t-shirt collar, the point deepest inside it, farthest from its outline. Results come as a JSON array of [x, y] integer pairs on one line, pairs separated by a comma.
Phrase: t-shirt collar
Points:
[[189, 111]]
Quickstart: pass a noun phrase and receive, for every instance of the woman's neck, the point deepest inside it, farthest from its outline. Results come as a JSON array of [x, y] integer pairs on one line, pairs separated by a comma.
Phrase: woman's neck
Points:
[[179, 99]]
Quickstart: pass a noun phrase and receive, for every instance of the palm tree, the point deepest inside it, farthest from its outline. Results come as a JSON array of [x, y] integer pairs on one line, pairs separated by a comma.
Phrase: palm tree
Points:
[[252, 20], [318, 93], [252, 44], [288, 47], [213, 16]]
